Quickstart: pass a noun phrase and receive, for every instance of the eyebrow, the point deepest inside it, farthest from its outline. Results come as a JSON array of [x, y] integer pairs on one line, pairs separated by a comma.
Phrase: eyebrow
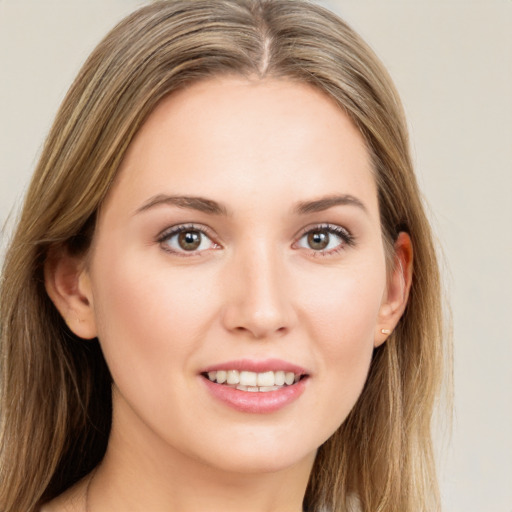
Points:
[[200, 204], [214, 208], [325, 203]]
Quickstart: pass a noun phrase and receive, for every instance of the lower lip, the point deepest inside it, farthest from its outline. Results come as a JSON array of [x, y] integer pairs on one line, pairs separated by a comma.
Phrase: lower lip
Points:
[[256, 402]]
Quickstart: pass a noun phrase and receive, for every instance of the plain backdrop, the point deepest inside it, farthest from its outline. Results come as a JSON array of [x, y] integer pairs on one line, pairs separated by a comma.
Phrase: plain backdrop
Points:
[[452, 63]]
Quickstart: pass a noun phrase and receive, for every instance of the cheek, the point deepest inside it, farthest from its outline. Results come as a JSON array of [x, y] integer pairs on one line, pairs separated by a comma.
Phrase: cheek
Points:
[[342, 321], [150, 319], [345, 311]]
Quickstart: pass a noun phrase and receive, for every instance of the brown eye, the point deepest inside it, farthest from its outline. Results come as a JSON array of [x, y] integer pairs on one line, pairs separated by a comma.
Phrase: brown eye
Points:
[[189, 240], [326, 239], [186, 241], [318, 240]]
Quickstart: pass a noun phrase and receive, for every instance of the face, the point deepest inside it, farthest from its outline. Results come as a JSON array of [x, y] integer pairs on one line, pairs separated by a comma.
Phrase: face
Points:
[[239, 246]]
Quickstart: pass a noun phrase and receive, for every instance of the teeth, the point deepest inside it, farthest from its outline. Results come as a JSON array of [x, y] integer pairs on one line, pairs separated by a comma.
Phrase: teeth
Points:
[[266, 379], [252, 381], [233, 377], [253, 389], [248, 378], [279, 378]]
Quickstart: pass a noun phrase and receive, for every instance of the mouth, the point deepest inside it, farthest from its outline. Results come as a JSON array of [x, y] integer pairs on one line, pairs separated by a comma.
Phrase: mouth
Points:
[[255, 382], [257, 387]]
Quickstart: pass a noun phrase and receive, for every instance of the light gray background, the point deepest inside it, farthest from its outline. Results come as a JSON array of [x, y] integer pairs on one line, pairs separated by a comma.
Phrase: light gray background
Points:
[[452, 63]]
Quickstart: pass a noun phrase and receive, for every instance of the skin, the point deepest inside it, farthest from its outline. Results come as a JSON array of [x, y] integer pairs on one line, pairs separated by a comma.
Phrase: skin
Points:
[[255, 289]]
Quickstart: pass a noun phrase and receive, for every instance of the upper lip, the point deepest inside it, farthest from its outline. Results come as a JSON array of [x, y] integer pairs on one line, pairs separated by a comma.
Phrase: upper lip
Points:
[[257, 366]]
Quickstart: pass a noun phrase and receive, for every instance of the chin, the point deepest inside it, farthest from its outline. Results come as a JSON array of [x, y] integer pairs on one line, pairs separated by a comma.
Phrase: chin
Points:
[[264, 462], [260, 452]]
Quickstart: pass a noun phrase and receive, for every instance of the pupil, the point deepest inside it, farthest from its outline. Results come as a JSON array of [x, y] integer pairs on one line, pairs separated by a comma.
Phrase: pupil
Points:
[[318, 240], [189, 240]]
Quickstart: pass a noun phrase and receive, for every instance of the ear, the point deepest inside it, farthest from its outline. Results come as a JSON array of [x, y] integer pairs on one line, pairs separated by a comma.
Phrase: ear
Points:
[[397, 289], [68, 284]]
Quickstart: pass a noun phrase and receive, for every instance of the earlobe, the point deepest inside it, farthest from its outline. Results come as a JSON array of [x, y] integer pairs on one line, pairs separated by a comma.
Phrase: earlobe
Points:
[[397, 289], [68, 285]]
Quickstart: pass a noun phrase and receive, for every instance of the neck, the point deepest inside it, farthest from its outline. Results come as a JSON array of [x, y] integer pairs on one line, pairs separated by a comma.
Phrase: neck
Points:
[[140, 473], [191, 487]]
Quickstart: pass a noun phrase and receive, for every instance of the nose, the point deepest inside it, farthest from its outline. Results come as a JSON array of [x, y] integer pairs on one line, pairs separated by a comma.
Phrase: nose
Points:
[[258, 298]]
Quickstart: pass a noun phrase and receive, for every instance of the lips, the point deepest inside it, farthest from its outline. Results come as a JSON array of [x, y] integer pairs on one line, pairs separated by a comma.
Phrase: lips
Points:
[[256, 386]]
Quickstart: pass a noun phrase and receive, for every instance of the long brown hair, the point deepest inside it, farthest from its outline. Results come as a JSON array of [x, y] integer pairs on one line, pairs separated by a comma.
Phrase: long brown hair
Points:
[[56, 389]]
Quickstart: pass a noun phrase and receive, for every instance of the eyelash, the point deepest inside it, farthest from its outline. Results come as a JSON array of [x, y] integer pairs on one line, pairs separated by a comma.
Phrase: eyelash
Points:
[[167, 234], [347, 239]]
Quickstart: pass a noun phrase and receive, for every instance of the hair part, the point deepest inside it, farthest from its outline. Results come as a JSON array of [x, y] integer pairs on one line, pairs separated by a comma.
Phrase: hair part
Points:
[[56, 388]]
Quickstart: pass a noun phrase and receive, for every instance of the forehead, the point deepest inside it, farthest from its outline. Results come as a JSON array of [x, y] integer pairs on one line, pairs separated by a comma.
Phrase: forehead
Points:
[[231, 137]]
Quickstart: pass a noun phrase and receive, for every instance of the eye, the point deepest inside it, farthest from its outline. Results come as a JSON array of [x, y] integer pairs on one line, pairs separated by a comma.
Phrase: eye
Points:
[[186, 239], [325, 239]]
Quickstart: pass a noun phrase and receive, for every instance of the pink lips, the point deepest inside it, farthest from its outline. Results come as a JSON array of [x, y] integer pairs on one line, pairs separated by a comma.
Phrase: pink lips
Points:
[[268, 365], [256, 402]]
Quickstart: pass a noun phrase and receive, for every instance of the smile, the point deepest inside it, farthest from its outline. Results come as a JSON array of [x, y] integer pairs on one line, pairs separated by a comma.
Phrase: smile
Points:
[[256, 387], [254, 382]]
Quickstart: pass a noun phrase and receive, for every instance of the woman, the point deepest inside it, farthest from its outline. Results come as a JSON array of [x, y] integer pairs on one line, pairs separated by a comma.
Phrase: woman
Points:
[[210, 301]]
